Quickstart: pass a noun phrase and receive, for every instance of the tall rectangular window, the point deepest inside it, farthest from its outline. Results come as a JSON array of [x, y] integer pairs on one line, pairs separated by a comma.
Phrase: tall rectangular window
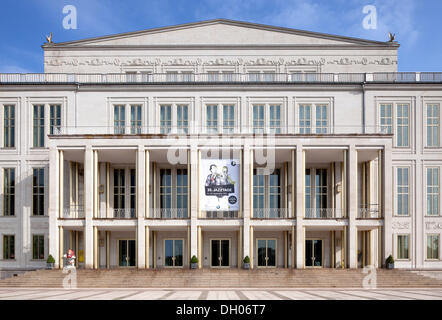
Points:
[[258, 194], [433, 125], [165, 118], [275, 192], [258, 119], [9, 192], [166, 191], [39, 126], [133, 193], [54, 118], [8, 247], [433, 191], [38, 247], [402, 122], [433, 246], [402, 191], [321, 119], [181, 192], [308, 191], [119, 193], [135, 119], [212, 118], [228, 118], [182, 118], [38, 191], [321, 188], [403, 246], [305, 118], [119, 119], [9, 126], [386, 118], [275, 118]]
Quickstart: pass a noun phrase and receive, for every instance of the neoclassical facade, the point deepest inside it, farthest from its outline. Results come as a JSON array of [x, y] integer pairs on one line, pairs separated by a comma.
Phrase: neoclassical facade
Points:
[[221, 139]]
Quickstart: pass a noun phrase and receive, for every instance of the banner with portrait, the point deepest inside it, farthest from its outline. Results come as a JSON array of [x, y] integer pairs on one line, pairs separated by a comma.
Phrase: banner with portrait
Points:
[[219, 181]]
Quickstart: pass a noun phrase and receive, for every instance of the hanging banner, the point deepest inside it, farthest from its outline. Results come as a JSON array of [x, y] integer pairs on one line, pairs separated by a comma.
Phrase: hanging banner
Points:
[[219, 184]]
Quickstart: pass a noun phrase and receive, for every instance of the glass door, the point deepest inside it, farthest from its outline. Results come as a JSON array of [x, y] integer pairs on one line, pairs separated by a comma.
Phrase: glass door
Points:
[[173, 253], [126, 253], [220, 252], [313, 253], [266, 252]]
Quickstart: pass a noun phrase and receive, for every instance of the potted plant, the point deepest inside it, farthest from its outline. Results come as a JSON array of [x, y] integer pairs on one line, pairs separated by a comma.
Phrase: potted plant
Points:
[[390, 262], [194, 262], [50, 262], [246, 262]]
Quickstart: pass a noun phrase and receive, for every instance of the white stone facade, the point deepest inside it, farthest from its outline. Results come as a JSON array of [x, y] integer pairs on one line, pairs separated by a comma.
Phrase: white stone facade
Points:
[[348, 137]]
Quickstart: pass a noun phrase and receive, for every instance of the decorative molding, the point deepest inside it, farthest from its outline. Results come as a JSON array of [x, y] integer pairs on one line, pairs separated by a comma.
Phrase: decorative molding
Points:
[[55, 62], [433, 225], [400, 225]]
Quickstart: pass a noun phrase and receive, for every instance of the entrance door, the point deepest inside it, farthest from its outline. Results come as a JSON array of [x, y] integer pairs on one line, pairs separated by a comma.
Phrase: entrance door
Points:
[[127, 253], [173, 253], [220, 252], [313, 253], [266, 252]]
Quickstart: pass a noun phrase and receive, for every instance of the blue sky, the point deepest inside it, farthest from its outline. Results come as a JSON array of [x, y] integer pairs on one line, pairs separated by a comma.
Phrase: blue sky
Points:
[[24, 23]]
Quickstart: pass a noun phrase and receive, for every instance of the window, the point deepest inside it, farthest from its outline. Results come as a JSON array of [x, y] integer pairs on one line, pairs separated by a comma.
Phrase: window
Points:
[[316, 193], [432, 191], [133, 192], [38, 189], [38, 247], [39, 126], [165, 192], [403, 246], [402, 121], [135, 119], [182, 118], [228, 118], [165, 119], [267, 194], [305, 118], [321, 119], [181, 192], [9, 126], [433, 121], [433, 246], [258, 119], [8, 247], [212, 118], [275, 118], [119, 119], [119, 192], [9, 192], [54, 118], [402, 191], [386, 118]]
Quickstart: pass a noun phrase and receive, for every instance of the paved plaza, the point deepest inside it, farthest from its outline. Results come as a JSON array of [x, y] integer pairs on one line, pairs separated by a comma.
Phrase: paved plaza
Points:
[[219, 294]]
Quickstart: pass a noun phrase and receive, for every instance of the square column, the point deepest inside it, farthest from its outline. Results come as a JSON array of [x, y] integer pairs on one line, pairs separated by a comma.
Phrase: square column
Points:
[[387, 204], [298, 167], [193, 165], [141, 205], [88, 207], [247, 200], [61, 246], [53, 205], [200, 248], [352, 206]]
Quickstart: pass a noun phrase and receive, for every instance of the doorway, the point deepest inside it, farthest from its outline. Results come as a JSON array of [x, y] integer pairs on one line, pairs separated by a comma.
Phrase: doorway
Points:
[[126, 253], [220, 252], [313, 253], [266, 252], [173, 252]]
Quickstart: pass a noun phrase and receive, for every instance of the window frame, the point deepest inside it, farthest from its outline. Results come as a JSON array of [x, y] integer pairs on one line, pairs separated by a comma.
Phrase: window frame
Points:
[[313, 129], [408, 246], [394, 121], [266, 190], [174, 188], [397, 193], [7, 251], [438, 247], [174, 122], [128, 190], [432, 194], [8, 127], [267, 120], [6, 193], [38, 193], [39, 236], [47, 116], [437, 125]]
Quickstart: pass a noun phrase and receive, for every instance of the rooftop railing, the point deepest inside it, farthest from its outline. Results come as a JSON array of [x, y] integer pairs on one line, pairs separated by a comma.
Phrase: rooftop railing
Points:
[[220, 78], [197, 129]]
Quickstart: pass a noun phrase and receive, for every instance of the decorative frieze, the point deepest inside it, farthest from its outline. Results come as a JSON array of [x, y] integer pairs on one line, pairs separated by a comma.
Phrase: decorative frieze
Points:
[[433, 225], [400, 225]]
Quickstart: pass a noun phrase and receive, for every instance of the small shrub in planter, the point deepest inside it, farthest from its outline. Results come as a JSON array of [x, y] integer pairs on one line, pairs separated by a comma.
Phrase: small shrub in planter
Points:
[[50, 262], [389, 262], [194, 263], [246, 262]]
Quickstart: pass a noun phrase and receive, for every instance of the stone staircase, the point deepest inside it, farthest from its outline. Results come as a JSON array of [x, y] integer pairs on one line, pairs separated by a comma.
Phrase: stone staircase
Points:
[[222, 278]]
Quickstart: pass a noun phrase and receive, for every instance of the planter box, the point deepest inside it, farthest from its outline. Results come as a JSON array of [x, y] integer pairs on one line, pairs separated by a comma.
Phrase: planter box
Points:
[[194, 266], [390, 265], [246, 266], [49, 266]]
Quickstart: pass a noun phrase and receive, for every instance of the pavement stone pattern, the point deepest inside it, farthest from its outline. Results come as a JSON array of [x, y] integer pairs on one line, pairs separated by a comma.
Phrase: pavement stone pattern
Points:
[[219, 294]]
